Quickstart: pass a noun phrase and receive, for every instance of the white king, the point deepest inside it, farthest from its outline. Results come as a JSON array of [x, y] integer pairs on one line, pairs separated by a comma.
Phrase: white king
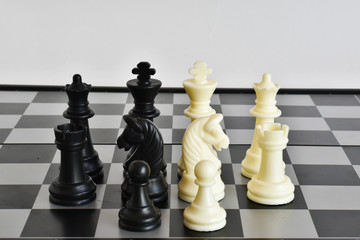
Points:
[[199, 89]]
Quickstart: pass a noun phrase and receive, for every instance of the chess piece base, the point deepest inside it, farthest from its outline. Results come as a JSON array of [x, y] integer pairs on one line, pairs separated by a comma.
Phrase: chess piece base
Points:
[[195, 218], [270, 193], [129, 219], [72, 194]]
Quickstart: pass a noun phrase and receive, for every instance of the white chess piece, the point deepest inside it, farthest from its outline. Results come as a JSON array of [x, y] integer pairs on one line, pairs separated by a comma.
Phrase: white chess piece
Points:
[[265, 111], [271, 186], [199, 89], [204, 213], [199, 139]]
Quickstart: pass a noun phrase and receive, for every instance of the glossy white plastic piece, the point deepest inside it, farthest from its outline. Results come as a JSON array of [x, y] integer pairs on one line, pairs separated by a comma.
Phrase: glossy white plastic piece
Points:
[[265, 111], [271, 186], [199, 89], [204, 213], [199, 139]]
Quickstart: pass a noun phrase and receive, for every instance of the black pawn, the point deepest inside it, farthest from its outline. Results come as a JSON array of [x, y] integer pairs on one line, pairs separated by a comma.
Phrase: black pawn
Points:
[[79, 112], [72, 187], [139, 213], [144, 90]]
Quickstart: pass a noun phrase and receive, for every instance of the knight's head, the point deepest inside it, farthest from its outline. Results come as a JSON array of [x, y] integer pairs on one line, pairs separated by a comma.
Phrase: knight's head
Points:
[[132, 134], [213, 133]]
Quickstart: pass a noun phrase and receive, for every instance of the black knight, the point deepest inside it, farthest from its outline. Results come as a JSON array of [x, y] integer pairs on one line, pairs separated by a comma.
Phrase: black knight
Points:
[[144, 142]]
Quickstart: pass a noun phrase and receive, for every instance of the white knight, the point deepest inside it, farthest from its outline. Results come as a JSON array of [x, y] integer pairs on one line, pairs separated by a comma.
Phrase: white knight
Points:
[[199, 139]]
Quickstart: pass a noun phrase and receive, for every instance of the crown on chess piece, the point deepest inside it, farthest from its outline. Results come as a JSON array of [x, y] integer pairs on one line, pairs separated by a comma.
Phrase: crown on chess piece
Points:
[[199, 89], [266, 92], [144, 90], [78, 93]]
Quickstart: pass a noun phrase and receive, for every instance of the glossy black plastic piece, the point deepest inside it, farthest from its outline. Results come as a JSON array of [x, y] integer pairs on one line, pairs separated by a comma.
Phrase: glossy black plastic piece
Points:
[[144, 90], [79, 112], [72, 187], [143, 140], [139, 213]]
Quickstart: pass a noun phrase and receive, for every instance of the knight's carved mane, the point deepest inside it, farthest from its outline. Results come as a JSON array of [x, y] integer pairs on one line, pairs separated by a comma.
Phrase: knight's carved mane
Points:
[[193, 146], [151, 148]]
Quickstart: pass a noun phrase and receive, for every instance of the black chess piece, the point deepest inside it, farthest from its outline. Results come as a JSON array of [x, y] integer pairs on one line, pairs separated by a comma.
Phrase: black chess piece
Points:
[[79, 112], [72, 187], [144, 141], [139, 213], [144, 90]]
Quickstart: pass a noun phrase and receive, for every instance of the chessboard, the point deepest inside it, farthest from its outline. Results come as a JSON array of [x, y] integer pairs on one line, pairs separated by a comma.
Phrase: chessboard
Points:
[[322, 160]]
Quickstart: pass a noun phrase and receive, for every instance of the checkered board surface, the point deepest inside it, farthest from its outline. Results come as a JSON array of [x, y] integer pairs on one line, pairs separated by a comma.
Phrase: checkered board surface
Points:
[[322, 159]]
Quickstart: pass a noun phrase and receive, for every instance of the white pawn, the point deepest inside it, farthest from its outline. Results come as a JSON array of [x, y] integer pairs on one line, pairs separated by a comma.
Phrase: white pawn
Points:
[[271, 186], [204, 213], [199, 139]]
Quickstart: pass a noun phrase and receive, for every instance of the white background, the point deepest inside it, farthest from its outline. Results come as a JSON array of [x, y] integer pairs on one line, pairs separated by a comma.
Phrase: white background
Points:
[[303, 44]]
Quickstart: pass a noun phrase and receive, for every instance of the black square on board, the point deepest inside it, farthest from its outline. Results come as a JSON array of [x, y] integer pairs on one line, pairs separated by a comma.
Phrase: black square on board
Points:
[[217, 108], [317, 138], [40, 121], [227, 174], [336, 223], [232, 229], [167, 153], [343, 124], [178, 109], [334, 100], [299, 111], [13, 108], [326, 175], [177, 136], [52, 173], [112, 197], [163, 121], [108, 109], [119, 155], [61, 223], [18, 196], [235, 98], [238, 152], [104, 135], [27, 153], [239, 122], [175, 178], [353, 154], [51, 97], [4, 133]]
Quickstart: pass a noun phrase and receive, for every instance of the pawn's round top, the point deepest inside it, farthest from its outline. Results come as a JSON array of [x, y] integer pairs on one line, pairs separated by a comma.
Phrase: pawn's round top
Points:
[[139, 171], [205, 171]]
